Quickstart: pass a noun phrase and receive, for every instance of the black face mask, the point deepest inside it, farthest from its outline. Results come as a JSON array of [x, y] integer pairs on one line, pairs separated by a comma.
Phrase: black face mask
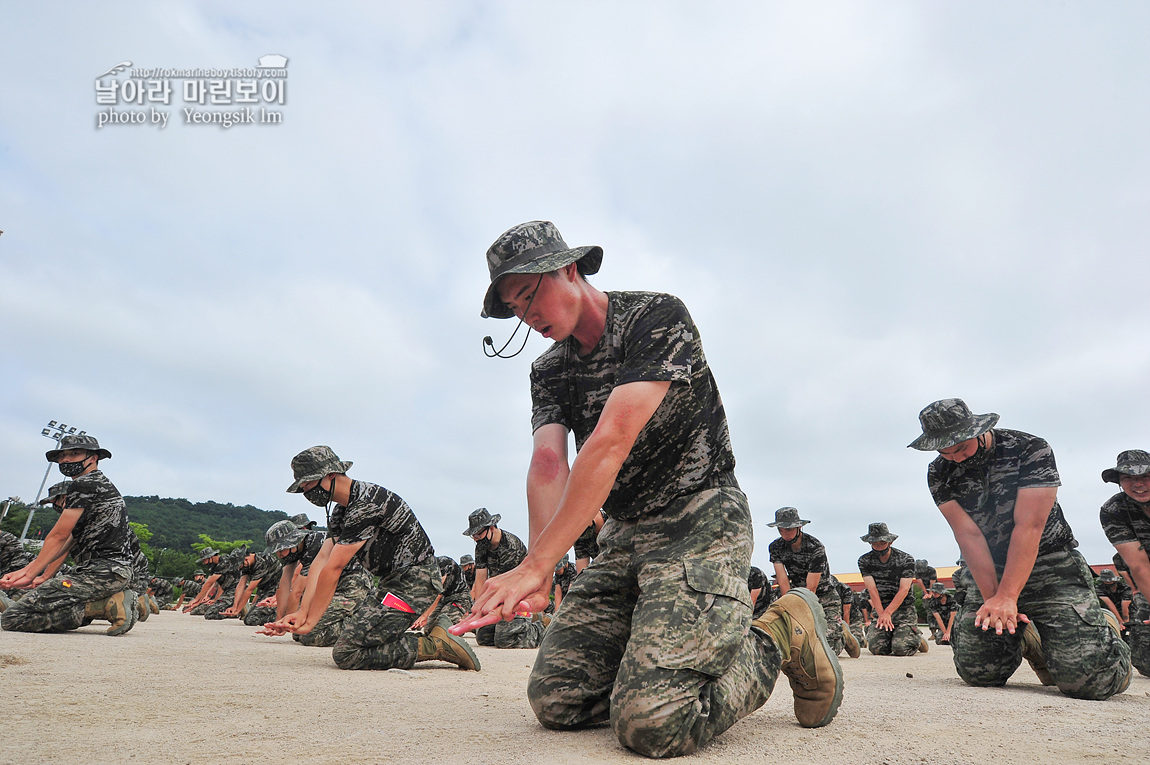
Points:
[[319, 496], [72, 469]]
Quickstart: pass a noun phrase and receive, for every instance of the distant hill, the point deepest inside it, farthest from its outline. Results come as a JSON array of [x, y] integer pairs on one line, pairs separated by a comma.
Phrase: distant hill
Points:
[[177, 523]]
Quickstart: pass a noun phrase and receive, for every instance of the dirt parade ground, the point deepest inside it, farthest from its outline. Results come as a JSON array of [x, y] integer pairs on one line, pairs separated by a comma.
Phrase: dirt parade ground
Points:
[[179, 689]]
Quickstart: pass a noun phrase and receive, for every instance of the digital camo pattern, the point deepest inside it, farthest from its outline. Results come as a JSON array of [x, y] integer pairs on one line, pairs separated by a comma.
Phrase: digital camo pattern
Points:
[[393, 537], [375, 636], [653, 636], [925, 574], [352, 588], [266, 569], [757, 580], [455, 587], [987, 489], [192, 588], [1084, 655], [140, 573], [943, 605], [562, 579], [1117, 592], [13, 556], [101, 532], [857, 624], [58, 604], [508, 554], [902, 641], [587, 545], [685, 445], [810, 558], [888, 576], [833, 613], [1140, 634], [1124, 521], [520, 632]]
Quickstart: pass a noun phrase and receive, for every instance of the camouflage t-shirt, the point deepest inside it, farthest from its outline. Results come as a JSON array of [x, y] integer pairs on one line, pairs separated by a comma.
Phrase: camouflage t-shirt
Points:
[[757, 580], [810, 558], [192, 588], [648, 337], [1116, 591], [942, 607], [469, 576], [1124, 520], [455, 587], [925, 574], [563, 580], [101, 532], [861, 603], [13, 556], [499, 560], [228, 570], [393, 537], [887, 575], [987, 490], [846, 594], [162, 588], [266, 568], [587, 545]]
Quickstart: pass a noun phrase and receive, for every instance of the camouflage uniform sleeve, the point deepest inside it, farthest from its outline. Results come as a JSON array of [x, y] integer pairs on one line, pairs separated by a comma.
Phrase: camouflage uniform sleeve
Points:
[[1037, 468], [481, 550], [1116, 521], [549, 390], [774, 549], [907, 571], [936, 482], [659, 343]]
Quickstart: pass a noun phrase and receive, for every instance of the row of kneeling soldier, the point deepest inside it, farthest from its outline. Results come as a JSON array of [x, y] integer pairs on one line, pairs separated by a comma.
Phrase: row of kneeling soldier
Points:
[[663, 615]]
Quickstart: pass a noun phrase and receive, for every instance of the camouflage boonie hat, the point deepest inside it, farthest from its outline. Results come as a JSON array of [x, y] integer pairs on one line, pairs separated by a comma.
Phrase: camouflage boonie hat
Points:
[[1107, 576], [282, 535], [1133, 462], [199, 573], [467, 560], [58, 490], [563, 562], [949, 422], [205, 554], [313, 464], [78, 442], [787, 518], [531, 248], [878, 532], [301, 521], [479, 520], [938, 587]]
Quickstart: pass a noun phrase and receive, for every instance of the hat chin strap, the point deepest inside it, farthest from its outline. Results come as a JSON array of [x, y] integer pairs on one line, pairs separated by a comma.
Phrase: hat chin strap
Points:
[[488, 342]]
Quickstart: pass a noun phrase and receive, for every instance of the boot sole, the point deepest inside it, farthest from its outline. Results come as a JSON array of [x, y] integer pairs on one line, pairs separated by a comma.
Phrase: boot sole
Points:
[[812, 602]]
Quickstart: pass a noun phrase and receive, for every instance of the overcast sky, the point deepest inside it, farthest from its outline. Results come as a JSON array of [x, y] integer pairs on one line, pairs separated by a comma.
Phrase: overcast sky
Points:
[[866, 207]]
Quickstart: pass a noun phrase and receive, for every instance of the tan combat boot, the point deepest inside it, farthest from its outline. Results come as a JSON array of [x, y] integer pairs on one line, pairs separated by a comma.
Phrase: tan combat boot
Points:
[[796, 624], [851, 643], [441, 645], [5, 601], [119, 609], [923, 646], [142, 610], [1032, 652]]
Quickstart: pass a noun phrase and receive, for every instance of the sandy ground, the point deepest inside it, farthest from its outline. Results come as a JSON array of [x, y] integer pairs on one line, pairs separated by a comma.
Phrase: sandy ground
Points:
[[178, 689]]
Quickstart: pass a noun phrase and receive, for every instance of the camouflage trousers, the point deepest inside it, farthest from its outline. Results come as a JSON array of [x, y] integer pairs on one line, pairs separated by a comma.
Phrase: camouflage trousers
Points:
[[258, 616], [375, 636], [832, 604], [520, 632], [903, 640], [1086, 658], [58, 604], [215, 612], [202, 609], [857, 627], [352, 588], [654, 635], [454, 611], [1140, 634]]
